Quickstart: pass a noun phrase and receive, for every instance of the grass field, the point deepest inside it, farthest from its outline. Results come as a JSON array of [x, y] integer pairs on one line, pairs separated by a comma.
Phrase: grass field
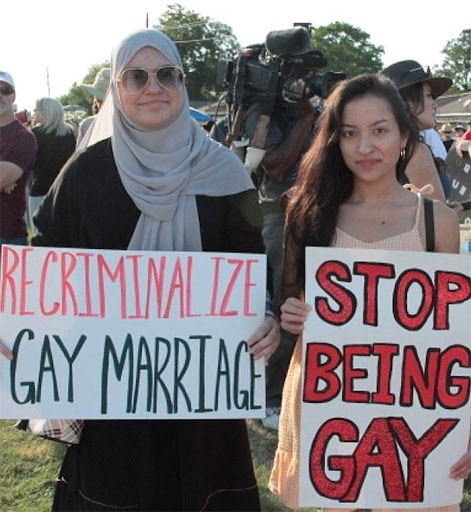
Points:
[[29, 466]]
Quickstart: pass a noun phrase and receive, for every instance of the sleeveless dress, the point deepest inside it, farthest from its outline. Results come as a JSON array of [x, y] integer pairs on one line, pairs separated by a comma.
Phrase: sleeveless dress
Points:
[[284, 479]]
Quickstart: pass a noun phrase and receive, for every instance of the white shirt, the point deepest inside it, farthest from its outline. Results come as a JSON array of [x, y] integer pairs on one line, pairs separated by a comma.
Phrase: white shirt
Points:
[[434, 142]]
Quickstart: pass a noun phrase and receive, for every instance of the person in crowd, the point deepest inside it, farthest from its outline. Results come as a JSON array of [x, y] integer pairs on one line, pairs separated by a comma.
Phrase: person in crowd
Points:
[[348, 195], [459, 131], [56, 143], [156, 182], [290, 132], [208, 125], [432, 138], [17, 154], [446, 132], [24, 117], [463, 141], [98, 89], [73, 123], [462, 146], [419, 89], [467, 134]]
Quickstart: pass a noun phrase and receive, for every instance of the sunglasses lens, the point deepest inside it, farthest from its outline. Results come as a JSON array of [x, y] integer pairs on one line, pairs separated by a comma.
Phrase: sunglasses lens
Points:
[[6, 91], [134, 80], [169, 77]]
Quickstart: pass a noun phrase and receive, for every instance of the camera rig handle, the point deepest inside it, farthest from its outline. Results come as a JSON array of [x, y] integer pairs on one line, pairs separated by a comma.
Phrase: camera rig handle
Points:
[[256, 150], [261, 132], [235, 128]]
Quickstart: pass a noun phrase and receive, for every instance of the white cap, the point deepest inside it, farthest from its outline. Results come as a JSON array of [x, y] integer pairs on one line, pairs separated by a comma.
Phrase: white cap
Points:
[[6, 77]]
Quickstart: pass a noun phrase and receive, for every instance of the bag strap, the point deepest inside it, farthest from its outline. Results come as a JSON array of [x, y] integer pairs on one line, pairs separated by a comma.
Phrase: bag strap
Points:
[[429, 225]]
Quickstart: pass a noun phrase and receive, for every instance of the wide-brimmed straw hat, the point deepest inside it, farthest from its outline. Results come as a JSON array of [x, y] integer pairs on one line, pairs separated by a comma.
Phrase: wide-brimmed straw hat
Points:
[[409, 72], [100, 85], [446, 128]]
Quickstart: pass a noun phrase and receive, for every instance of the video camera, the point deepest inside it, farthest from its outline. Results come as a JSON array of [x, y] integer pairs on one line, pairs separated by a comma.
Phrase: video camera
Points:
[[284, 67]]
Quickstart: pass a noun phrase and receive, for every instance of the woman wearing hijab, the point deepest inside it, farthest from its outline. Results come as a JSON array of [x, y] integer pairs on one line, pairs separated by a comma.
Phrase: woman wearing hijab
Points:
[[157, 183]]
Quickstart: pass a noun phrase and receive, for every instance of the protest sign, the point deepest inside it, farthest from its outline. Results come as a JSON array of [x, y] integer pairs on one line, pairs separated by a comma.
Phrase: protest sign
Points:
[[130, 334], [459, 171], [386, 364]]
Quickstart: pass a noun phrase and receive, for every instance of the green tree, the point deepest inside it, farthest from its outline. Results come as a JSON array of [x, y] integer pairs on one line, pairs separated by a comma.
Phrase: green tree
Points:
[[78, 95], [347, 49], [202, 42], [457, 62]]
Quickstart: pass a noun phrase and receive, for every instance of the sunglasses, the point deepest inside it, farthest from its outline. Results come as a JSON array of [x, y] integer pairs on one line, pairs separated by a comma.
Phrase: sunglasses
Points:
[[134, 80], [7, 90]]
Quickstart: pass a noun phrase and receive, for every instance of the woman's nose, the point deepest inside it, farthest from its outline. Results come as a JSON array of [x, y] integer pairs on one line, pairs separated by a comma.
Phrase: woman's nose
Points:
[[365, 144], [153, 83]]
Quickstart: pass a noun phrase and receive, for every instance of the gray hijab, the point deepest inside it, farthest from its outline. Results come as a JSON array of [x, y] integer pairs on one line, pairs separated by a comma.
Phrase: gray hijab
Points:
[[163, 170]]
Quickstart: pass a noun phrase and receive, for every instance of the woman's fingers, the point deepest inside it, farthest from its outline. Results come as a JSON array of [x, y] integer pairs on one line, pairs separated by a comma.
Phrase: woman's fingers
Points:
[[6, 351], [265, 340], [462, 468], [294, 313]]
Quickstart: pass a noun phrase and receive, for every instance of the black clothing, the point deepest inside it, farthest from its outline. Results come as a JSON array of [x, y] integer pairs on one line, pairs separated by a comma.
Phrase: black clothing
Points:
[[448, 143], [284, 117], [53, 152], [148, 464]]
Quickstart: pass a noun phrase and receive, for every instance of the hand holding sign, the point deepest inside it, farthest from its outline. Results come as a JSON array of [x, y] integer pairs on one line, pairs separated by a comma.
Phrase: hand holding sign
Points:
[[140, 328], [265, 340], [371, 360], [293, 315], [462, 468]]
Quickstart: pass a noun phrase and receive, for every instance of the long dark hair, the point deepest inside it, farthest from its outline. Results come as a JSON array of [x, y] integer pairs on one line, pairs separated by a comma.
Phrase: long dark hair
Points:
[[413, 97], [324, 181]]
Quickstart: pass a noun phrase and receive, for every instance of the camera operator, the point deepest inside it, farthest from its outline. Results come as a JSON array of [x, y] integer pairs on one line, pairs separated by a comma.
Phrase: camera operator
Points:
[[270, 124], [289, 136], [290, 133]]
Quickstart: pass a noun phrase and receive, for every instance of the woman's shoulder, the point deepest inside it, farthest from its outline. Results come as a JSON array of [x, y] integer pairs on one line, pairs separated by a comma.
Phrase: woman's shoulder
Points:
[[423, 152], [38, 132], [69, 135], [421, 159], [94, 155], [447, 227], [444, 214], [90, 163]]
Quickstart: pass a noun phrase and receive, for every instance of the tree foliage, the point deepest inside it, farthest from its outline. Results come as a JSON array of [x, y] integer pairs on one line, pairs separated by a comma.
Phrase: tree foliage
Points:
[[202, 42], [457, 62], [347, 49], [78, 95]]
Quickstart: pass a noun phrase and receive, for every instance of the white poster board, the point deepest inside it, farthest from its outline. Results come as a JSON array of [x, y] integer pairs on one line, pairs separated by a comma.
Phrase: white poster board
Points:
[[130, 334], [386, 378]]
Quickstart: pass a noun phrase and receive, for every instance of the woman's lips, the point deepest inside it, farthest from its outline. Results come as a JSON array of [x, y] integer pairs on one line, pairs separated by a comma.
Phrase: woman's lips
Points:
[[367, 164]]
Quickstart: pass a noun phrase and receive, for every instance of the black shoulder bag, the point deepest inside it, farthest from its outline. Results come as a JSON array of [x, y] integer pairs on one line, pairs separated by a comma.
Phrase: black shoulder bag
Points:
[[429, 225]]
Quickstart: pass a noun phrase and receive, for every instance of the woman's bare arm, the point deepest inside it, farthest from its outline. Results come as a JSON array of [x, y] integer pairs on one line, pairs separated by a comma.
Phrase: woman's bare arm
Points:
[[421, 171]]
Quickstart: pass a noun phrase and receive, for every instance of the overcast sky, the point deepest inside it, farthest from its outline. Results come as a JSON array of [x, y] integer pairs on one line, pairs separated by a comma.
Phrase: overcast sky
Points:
[[65, 38]]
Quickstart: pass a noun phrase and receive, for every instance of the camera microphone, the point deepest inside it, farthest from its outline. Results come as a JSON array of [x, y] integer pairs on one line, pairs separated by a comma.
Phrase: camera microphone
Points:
[[288, 42]]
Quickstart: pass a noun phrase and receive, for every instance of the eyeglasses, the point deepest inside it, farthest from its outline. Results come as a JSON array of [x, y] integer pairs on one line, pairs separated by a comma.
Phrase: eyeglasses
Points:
[[134, 80], [7, 90]]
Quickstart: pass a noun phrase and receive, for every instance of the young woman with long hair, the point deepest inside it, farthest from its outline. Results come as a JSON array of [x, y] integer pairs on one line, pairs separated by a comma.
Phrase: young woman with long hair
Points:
[[348, 195]]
